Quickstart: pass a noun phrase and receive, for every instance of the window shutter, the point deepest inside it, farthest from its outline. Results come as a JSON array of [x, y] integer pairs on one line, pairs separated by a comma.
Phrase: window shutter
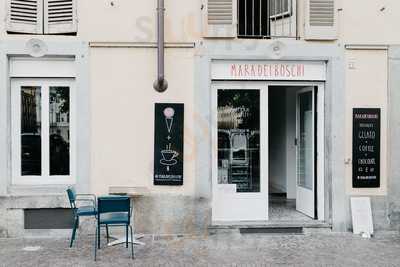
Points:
[[60, 16], [220, 18], [321, 20], [25, 16]]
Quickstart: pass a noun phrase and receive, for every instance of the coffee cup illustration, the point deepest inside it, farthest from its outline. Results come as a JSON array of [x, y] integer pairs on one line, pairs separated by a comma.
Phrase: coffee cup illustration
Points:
[[169, 155]]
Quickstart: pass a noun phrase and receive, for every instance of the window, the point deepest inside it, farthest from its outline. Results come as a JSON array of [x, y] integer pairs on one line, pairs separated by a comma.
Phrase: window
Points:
[[42, 142], [239, 139], [280, 8], [255, 17], [42, 16]]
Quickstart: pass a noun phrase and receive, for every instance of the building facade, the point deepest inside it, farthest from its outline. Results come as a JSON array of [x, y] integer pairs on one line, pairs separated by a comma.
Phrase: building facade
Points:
[[286, 102]]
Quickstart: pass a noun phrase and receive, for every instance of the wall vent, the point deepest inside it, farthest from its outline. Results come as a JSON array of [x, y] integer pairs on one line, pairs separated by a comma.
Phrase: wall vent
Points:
[[58, 218]]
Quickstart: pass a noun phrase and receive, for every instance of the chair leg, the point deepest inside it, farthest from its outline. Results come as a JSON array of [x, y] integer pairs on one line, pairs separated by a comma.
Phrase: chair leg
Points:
[[126, 236], [73, 232], [98, 236], [108, 235], [133, 255]]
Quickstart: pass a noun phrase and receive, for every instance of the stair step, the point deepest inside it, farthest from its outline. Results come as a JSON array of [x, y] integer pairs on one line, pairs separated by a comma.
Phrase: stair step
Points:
[[271, 230], [269, 224]]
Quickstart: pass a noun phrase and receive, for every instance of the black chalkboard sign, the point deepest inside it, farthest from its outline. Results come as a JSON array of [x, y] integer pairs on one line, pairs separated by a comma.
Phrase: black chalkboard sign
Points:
[[366, 147], [168, 144]]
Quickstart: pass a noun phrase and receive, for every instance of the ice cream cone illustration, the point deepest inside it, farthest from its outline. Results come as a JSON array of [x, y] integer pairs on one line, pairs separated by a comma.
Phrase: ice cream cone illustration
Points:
[[169, 118]]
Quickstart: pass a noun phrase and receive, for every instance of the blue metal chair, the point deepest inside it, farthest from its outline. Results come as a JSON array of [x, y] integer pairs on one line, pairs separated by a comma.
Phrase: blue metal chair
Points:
[[89, 210], [113, 211]]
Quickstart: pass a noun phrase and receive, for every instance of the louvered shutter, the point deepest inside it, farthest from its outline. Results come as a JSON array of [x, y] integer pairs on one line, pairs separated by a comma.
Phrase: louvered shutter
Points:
[[219, 18], [60, 16], [321, 20], [25, 16]]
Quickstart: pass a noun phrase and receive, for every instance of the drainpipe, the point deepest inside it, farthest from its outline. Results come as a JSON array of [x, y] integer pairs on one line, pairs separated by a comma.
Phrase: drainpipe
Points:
[[160, 84]]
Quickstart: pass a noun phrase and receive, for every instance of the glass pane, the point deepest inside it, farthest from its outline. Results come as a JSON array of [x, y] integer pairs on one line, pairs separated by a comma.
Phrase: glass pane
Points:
[[305, 156], [286, 6], [31, 144], [239, 139], [59, 111]]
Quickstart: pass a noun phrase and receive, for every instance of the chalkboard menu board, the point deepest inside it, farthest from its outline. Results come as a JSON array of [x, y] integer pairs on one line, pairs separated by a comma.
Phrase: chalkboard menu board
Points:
[[168, 144], [366, 147]]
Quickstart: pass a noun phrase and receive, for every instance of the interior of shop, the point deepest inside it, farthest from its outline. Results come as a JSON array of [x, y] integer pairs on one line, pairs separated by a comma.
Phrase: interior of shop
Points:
[[282, 154]]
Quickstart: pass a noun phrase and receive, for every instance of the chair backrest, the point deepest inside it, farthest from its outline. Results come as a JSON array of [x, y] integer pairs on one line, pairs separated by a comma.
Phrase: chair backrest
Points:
[[72, 197], [114, 204]]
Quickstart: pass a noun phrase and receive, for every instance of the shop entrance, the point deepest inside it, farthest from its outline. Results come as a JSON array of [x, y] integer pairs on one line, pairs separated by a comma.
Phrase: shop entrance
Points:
[[292, 138], [267, 138]]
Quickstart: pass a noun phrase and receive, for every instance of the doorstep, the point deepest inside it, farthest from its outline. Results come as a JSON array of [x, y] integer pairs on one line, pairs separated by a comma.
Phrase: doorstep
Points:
[[269, 224]]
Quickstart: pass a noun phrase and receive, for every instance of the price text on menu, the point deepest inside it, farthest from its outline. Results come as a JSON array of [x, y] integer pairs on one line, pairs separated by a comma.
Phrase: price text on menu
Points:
[[366, 147]]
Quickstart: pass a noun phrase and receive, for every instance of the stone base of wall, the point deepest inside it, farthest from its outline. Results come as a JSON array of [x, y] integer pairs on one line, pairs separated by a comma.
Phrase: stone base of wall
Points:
[[169, 214], [386, 215], [162, 214]]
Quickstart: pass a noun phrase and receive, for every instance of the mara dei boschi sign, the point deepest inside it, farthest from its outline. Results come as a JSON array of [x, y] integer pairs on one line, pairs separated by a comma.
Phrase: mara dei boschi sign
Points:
[[268, 70]]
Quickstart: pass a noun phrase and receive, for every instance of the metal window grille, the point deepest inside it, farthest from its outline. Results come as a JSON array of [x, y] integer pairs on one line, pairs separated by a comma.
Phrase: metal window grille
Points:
[[265, 19]]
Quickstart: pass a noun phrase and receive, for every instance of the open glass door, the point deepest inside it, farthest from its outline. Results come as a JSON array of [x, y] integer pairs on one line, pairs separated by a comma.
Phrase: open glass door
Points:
[[305, 156], [240, 164]]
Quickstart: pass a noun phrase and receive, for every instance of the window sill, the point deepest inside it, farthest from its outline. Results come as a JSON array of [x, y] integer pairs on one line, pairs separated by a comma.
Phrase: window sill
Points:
[[42, 34], [280, 16], [36, 190]]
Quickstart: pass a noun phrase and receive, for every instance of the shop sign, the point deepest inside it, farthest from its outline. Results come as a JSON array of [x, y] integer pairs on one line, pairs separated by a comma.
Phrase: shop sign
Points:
[[268, 70], [168, 144], [366, 147]]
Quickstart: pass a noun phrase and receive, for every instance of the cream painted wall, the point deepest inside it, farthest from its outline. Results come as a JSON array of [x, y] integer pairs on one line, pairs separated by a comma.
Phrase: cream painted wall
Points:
[[366, 86], [369, 21], [129, 20], [122, 122]]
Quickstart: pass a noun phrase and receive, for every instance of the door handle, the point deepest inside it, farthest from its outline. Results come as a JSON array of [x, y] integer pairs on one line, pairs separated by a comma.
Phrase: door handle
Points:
[[295, 141]]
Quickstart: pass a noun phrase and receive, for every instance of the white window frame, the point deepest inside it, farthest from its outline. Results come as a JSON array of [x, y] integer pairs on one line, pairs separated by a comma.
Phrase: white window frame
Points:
[[282, 14], [44, 178]]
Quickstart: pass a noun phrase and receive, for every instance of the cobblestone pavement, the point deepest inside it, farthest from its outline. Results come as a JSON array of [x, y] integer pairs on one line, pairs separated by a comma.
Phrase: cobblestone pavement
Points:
[[222, 249]]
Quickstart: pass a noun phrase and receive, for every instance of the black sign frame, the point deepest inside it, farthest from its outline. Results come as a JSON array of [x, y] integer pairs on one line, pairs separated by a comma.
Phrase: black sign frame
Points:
[[366, 147], [168, 143]]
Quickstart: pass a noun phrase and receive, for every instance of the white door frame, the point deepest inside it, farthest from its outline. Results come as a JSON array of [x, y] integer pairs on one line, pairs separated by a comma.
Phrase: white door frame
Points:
[[45, 178], [227, 205]]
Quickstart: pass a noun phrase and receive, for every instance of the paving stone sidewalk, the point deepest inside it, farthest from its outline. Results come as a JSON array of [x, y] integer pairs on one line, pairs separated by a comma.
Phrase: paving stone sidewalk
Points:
[[222, 249]]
